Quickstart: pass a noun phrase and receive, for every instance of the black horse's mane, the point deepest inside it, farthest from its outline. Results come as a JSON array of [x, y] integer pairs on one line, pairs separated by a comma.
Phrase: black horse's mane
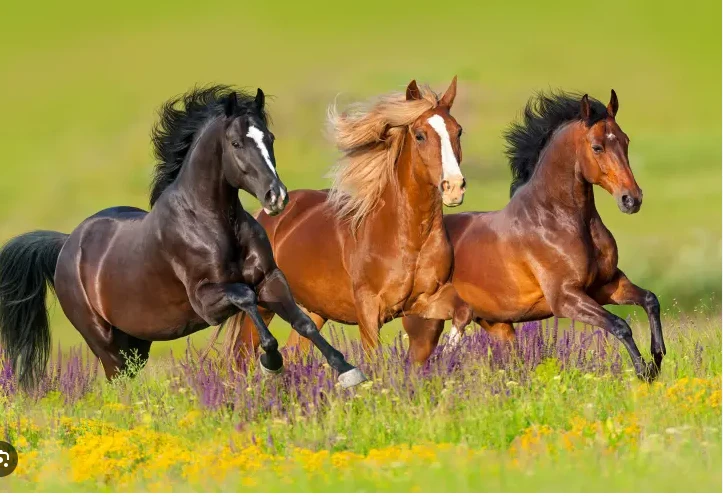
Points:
[[543, 114], [179, 120]]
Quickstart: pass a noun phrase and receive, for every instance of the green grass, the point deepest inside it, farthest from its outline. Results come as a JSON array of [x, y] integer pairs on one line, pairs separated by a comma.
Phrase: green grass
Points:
[[547, 430]]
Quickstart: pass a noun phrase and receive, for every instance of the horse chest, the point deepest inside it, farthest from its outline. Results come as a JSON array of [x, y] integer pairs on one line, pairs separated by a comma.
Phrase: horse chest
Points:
[[424, 273]]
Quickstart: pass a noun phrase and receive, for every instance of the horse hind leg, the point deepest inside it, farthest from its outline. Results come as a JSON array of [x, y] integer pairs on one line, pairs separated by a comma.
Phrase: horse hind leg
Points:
[[96, 331], [133, 351], [114, 348]]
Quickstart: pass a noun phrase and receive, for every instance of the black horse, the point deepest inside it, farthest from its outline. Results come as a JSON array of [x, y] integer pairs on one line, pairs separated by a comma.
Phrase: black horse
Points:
[[126, 277]]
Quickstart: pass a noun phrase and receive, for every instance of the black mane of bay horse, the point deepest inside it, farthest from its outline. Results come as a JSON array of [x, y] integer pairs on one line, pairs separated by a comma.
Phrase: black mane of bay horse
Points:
[[126, 277]]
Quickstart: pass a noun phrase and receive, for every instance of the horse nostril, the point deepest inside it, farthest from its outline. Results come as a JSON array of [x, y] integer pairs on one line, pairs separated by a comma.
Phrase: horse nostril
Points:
[[270, 197], [463, 186], [628, 202]]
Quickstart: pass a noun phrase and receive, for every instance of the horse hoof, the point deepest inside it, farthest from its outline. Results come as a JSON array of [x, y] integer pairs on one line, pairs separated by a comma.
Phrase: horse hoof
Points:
[[649, 372], [351, 378], [269, 371]]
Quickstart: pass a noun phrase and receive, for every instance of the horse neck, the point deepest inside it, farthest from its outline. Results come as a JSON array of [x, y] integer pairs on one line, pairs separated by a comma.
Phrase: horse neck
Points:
[[201, 180], [411, 205], [556, 182]]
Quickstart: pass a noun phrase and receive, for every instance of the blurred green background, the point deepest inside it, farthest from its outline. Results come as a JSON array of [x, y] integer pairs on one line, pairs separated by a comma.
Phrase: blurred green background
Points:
[[81, 82]]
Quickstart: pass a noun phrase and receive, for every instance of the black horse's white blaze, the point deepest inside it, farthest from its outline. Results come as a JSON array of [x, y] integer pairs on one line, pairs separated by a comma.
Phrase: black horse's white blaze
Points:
[[258, 136]]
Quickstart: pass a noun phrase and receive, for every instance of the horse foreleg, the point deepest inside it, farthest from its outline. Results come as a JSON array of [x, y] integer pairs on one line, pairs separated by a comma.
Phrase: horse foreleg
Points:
[[502, 331], [423, 336], [575, 304], [297, 342], [275, 294], [367, 312], [620, 291], [214, 303]]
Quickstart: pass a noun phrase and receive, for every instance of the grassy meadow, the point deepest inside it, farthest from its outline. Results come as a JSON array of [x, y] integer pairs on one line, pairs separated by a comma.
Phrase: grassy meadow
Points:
[[560, 412], [81, 83]]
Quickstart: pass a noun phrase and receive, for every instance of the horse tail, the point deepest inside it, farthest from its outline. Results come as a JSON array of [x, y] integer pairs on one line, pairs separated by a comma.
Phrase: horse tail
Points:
[[27, 264]]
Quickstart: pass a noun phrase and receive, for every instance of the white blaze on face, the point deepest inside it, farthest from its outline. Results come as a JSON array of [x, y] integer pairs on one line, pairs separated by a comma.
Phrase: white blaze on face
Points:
[[258, 136], [450, 166]]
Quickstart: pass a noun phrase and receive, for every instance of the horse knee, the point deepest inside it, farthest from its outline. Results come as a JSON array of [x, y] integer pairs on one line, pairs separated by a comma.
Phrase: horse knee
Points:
[[621, 330], [651, 303]]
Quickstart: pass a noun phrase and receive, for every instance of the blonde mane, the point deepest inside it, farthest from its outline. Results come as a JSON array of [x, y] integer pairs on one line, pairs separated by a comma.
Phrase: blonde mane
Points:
[[370, 136]]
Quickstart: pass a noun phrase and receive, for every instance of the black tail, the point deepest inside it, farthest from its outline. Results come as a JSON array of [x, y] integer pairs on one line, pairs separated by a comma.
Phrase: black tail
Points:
[[27, 263]]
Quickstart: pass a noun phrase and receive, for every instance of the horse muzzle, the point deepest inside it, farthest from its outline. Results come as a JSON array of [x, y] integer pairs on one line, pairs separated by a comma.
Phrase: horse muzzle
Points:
[[629, 202], [453, 191], [275, 199]]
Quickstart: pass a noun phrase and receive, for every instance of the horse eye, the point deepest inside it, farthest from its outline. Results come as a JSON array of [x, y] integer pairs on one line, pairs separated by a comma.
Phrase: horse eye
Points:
[[597, 148], [459, 134], [235, 144], [419, 136]]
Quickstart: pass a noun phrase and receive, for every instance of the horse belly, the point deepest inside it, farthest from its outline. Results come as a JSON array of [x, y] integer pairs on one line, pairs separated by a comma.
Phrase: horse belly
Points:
[[497, 284], [151, 314]]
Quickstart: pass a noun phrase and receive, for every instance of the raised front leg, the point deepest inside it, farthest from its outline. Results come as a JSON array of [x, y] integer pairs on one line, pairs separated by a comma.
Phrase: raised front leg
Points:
[[216, 302], [576, 304], [620, 291], [275, 295], [300, 344]]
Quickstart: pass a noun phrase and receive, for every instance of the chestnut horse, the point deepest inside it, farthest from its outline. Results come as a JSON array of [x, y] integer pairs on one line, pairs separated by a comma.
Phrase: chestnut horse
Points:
[[548, 253], [374, 247], [126, 277]]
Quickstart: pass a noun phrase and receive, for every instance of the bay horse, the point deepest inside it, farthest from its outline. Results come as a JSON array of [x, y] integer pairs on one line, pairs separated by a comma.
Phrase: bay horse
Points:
[[374, 246], [126, 277], [548, 253]]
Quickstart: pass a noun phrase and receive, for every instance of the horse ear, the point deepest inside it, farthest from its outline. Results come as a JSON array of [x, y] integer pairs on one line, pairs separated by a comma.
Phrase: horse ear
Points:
[[413, 91], [613, 104], [231, 104], [449, 95], [260, 100], [585, 108]]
